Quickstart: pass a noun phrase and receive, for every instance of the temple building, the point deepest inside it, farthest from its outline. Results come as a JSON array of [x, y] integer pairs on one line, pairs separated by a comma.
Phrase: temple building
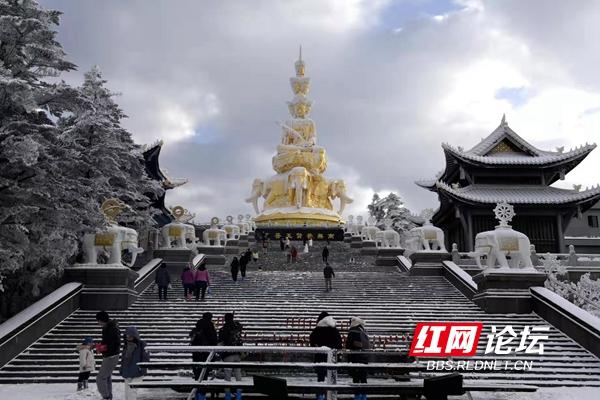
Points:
[[299, 194], [151, 154], [505, 167]]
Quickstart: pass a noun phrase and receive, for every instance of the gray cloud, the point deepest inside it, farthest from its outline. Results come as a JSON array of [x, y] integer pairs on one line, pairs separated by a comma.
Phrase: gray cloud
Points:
[[210, 78]]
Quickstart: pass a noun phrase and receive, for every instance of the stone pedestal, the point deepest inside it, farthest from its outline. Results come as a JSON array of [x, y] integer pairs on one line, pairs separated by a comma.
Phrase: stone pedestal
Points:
[[174, 259], [232, 246], [251, 238], [356, 242], [428, 263], [243, 242], [214, 254], [105, 286], [387, 255], [505, 290], [347, 237], [369, 248]]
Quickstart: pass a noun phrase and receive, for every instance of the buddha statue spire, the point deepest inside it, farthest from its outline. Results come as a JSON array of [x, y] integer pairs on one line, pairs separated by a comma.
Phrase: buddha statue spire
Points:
[[299, 194]]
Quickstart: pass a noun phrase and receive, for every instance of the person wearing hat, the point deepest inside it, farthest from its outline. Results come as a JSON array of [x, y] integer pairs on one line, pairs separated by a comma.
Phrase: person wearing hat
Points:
[[87, 363], [324, 334], [134, 352], [204, 334], [109, 347], [358, 340]]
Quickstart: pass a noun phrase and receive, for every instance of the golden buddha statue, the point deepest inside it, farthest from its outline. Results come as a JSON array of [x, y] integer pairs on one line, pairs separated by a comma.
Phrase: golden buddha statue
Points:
[[299, 194]]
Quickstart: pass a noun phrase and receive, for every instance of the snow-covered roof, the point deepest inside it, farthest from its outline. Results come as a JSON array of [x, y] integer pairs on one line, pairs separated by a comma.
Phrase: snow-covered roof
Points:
[[514, 158], [519, 194], [516, 150]]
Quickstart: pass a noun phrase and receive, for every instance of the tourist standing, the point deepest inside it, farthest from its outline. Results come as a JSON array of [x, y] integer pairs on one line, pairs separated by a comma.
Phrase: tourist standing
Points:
[[109, 347], [202, 281], [235, 267], [231, 335], [305, 251], [204, 334], [281, 244], [134, 352], [265, 246], [288, 244], [325, 254], [162, 280], [87, 363], [243, 264], [324, 334], [255, 255], [294, 253], [310, 242], [358, 340], [188, 280], [328, 274]]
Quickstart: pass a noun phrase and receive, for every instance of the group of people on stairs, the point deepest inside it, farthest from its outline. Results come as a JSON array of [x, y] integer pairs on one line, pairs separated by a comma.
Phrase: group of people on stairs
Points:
[[131, 352]]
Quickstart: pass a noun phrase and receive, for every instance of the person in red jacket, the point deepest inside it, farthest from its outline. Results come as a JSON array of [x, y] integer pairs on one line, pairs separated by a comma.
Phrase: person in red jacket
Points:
[[188, 280], [202, 281]]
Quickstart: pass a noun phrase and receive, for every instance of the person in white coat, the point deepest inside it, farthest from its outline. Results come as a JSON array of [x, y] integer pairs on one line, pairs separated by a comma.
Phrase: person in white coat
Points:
[[87, 363]]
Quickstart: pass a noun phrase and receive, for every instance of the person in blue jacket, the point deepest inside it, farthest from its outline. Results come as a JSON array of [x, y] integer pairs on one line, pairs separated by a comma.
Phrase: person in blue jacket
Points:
[[134, 352]]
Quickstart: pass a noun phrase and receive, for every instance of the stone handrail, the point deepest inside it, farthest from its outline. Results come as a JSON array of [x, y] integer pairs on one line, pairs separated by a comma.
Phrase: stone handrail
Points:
[[404, 264], [575, 322], [146, 275], [460, 279], [23, 329]]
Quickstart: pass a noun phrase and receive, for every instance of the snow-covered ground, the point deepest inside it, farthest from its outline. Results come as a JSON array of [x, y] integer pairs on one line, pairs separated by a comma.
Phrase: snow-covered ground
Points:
[[63, 391]]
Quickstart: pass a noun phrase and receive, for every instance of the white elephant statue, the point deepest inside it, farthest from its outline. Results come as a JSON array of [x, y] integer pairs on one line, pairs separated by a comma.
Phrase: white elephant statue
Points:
[[369, 232], [496, 245], [250, 222], [113, 241], [178, 235], [298, 184], [243, 225], [216, 236], [231, 229], [349, 224], [387, 238], [258, 190], [426, 237], [337, 189]]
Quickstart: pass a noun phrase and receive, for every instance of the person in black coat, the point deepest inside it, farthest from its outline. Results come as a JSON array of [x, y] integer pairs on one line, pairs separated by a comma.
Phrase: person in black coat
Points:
[[358, 340], [109, 347], [324, 334], [162, 280], [244, 260], [235, 267], [204, 334], [325, 254]]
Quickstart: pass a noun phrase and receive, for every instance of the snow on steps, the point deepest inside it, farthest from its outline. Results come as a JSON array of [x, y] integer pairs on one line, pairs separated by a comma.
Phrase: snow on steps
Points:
[[391, 303]]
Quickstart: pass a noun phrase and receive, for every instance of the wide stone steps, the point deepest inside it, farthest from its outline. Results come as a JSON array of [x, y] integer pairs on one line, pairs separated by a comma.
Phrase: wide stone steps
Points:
[[280, 302]]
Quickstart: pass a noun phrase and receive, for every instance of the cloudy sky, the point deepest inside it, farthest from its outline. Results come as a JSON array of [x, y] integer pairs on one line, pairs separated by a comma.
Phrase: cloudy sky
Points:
[[391, 81]]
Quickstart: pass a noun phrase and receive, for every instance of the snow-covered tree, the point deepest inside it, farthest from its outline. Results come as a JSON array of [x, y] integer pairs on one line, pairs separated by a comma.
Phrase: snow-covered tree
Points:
[[46, 204], [106, 156], [392, 207], [42, 212]]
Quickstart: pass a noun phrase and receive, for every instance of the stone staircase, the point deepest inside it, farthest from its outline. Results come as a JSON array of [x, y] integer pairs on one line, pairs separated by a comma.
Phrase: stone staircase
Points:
[[277, 302]]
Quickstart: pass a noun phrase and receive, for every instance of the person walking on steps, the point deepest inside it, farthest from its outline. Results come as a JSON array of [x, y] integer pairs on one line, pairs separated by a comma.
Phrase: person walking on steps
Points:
[[235, 267], [87, 363], [202, 281], [231, 335], [204, 334], [324, 334], [281, 244], [325, 254], [162, 280], [328, 274], [109, 347], [255, 255], [244, 260], [358, 340], [188, 280], [134, 352], [294, 254]]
